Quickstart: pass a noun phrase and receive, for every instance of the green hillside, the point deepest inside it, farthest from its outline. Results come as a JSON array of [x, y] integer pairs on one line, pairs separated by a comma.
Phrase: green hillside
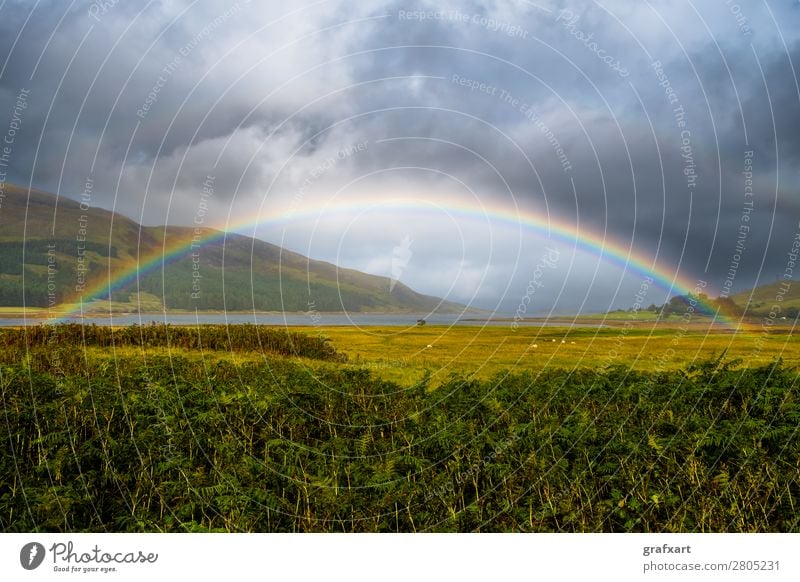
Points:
[[71, 253], [761, 300]]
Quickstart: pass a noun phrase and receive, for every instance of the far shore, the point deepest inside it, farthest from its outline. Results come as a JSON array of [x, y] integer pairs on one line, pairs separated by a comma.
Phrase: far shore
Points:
[[44, 314], [611, 320]]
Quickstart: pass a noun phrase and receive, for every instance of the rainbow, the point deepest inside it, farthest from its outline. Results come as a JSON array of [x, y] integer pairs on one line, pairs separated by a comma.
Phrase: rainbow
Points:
[[597, 244], [145, 265]]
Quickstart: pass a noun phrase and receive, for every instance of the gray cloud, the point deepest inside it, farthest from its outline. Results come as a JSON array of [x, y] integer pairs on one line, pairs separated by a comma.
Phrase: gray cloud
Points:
[[503, 103]]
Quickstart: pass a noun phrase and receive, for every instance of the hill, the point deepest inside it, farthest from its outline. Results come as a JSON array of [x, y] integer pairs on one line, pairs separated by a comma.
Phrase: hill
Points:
[[55, 252], [786, 294]]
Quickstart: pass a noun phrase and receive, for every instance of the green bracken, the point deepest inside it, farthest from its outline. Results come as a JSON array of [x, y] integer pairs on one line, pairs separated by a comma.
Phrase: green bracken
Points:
[[157, 443]]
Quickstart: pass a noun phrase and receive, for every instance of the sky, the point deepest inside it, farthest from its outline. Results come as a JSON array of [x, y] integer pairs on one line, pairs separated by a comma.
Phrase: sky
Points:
[[498, 153]]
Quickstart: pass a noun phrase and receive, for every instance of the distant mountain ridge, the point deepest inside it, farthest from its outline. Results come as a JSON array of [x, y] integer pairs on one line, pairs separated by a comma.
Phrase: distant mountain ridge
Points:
[[71, 250]]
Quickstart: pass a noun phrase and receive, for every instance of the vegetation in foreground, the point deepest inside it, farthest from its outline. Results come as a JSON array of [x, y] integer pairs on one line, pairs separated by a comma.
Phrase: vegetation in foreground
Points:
[[179, 444], [18, 342]]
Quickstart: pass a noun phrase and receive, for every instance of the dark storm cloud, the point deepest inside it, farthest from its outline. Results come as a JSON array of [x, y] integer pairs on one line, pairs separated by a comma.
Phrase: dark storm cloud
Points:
[[519, 101]]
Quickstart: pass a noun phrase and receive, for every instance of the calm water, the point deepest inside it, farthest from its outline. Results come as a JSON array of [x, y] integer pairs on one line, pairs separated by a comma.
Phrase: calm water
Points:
[[315, 320]]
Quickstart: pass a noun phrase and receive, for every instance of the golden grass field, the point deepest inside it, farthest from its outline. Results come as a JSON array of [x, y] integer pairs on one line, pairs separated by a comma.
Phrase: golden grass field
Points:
[[402, 354]]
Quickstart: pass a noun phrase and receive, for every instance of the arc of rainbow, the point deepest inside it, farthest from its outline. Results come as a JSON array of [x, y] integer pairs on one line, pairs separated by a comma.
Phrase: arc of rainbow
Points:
[[585, 240], [103, 289]]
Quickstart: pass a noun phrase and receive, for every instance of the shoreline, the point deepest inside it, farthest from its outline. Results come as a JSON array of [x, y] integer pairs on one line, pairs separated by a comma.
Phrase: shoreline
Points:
[[40, 317]]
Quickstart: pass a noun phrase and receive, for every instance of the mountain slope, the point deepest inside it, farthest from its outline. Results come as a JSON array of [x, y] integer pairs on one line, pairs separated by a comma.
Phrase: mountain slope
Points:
[[57, 252], [784, 294]]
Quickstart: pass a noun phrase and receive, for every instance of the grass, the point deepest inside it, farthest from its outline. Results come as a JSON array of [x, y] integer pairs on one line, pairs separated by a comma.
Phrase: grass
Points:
[[184, 444], [641, 315], [145, 431], [403, 356], [26, 310]]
